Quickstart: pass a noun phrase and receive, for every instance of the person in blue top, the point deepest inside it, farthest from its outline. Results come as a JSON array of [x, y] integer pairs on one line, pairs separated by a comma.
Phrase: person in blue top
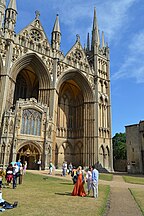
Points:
[[95, 178]]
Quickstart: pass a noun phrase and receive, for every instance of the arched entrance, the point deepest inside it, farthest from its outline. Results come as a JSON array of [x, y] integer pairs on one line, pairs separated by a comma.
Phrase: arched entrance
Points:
[[75, 115], [29, 153], [27, 84]]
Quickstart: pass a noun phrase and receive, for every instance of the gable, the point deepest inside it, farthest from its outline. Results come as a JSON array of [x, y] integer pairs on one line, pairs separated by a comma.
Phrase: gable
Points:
[[33, 34], [76, 57]]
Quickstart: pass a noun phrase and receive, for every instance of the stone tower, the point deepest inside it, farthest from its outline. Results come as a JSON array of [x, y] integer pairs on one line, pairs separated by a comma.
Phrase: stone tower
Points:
[[53, 107]]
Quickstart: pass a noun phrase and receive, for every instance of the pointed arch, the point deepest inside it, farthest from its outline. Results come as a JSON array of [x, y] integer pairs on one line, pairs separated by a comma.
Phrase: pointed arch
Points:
[[107, 157], [38, 66], [29, 151], [64, 153], [101, 156], [81, 81]]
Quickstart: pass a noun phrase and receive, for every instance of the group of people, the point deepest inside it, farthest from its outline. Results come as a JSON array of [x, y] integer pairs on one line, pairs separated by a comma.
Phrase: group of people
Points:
[[13, 173], [92, 177]]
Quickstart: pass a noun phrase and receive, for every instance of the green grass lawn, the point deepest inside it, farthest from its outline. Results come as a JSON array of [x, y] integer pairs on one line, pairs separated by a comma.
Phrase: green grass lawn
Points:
[[48, 196], [106, 176], [138, 195], [134, 179]]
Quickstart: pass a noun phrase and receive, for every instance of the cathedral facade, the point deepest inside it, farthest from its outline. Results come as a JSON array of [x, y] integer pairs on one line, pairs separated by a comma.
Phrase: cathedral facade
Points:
[[53, 107]]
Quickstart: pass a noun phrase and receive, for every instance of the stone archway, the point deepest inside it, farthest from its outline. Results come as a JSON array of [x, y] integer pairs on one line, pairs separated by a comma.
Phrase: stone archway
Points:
[[30, 153], [75, 115], [63, 153], [107, 157], [102, 156]]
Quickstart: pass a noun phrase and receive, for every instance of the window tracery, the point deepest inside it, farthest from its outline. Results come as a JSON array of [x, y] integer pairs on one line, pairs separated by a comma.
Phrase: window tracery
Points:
[[31, 122], [35, 35]]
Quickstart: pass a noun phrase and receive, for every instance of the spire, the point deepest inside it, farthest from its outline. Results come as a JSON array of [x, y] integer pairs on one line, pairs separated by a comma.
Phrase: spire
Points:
[[2, 11], [56, 35], [10, 16], [12, 5], [103, 42], [56, 27], [95, 20], [88, 42], [95, 32]]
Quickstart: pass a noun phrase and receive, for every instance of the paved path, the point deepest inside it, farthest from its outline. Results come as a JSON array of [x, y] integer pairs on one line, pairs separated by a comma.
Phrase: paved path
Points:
[[122, 202]]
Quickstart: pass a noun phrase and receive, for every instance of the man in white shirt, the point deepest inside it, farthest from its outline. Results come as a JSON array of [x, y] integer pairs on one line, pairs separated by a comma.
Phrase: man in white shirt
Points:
[[95, 178]]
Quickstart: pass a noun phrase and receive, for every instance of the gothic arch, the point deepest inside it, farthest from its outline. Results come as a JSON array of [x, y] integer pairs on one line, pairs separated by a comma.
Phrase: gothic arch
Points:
[[38, 66], [81, 81], [35, 144], [64, 153], [107, 157], [102, 156], [29, 151]]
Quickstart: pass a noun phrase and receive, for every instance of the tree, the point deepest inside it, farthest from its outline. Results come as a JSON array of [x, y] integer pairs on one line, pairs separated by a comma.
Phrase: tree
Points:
[[119, 146]]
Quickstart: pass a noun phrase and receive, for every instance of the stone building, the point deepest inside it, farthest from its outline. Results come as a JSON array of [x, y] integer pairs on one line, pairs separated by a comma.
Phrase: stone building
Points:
[[135, 147], [53, 107]]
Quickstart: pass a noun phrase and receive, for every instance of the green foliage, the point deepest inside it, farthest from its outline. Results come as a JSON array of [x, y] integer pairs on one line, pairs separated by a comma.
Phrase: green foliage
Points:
[[119, 146]]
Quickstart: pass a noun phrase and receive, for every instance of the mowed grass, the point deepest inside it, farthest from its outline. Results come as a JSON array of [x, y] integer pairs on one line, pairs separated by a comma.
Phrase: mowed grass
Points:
[[138, 195], [48, 196], [106, 176], [134, 179]]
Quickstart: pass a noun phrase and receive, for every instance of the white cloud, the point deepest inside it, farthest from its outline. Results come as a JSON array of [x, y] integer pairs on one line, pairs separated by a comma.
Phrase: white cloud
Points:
[[133, 66], [112, 15]]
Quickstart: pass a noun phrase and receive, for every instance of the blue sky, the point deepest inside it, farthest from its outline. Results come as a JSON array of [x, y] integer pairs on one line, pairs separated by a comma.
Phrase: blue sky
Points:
[[123, 24]]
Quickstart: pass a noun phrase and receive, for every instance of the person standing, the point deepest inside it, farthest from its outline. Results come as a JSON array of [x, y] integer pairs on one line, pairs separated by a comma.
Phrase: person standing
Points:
[[50, 168], [9, 174], [15, 173], [64, 168], [79, 185], [20, 174], [95, 178], [39, 164], [24, 167], [89, 179], [70, 167]]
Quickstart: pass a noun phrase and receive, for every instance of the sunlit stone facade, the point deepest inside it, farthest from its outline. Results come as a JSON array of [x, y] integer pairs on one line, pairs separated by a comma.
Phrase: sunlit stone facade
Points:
[[53, 107]]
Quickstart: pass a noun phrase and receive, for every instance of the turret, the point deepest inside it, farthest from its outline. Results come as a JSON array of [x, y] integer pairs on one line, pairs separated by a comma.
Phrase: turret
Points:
[[56, 35], [2, 11], [10, 16]]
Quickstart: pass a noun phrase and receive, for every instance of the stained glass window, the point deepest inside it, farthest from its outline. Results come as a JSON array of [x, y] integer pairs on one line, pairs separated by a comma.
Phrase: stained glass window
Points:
[[31, 122]]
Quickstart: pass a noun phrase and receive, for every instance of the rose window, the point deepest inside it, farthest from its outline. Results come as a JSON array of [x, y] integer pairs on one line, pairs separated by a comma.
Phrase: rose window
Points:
[[35, 35], [78, 55]]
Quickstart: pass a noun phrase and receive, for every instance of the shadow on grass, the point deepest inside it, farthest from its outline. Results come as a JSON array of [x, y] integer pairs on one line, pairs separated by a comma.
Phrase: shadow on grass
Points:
[[64, 194], [66, 183], [45, 178]]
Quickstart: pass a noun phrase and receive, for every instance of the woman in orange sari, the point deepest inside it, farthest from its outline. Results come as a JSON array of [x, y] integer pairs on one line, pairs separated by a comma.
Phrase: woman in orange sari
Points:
[[78, 187]]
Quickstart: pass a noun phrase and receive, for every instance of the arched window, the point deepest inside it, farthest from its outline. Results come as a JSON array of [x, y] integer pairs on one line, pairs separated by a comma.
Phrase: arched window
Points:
[[31, 122]]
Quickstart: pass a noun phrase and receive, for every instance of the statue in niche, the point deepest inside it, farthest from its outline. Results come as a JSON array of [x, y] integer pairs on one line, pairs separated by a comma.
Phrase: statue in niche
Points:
[[49, 149]]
